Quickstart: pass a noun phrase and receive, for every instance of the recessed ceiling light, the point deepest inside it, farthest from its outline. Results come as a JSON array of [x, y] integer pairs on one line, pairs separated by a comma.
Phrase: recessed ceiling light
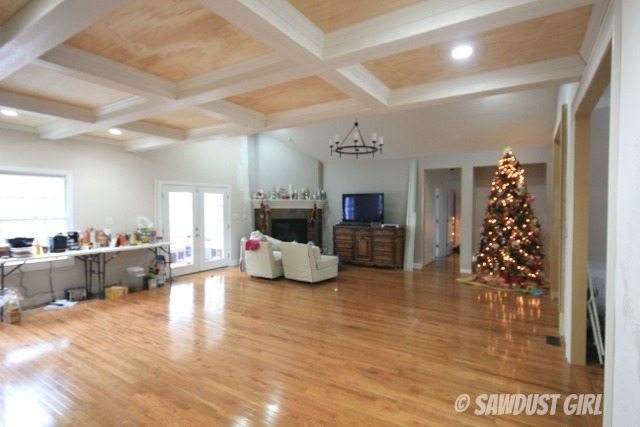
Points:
[[462, 52], [115, 131], [8, 113]]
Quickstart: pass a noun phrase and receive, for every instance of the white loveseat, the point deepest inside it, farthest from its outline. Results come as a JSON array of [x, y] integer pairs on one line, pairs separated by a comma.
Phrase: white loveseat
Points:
[[304, 262]]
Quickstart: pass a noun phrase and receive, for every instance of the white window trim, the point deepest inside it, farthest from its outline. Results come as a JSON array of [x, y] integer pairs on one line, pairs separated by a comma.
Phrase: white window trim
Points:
[[68, 180]]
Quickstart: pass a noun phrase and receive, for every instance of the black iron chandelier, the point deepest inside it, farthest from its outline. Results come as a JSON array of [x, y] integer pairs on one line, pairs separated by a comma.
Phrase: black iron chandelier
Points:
[[355, 144]]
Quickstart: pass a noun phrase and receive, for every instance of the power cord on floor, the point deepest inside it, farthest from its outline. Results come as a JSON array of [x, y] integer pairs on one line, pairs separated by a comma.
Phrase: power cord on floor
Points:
[[25, 291]]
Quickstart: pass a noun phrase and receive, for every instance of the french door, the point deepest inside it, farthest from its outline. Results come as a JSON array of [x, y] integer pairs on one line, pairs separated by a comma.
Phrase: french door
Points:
[[195, 219]]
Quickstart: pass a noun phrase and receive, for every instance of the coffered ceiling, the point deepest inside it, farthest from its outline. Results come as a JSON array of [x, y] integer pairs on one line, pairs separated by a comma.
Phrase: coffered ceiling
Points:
[[170, 72]]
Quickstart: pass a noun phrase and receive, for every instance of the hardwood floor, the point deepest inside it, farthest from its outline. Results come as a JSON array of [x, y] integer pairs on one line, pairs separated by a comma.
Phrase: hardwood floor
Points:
[[373, 347]]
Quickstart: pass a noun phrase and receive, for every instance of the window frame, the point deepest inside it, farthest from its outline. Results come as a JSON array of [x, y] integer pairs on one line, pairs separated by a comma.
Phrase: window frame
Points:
[[68, 188]]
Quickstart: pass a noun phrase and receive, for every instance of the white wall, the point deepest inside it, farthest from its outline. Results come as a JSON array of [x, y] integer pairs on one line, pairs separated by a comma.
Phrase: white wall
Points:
[[598, 195], [535, 178], [565, 97], [624, 230], [279, 164], [598, 185], [108, 181], [467, 162], [390, 177]]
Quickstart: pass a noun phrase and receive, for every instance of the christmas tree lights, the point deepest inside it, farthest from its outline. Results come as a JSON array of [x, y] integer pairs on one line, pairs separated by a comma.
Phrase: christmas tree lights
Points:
[[510, 252]]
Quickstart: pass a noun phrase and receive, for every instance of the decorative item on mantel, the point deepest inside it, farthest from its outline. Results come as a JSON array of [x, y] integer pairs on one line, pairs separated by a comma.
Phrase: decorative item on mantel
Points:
[[314, 216], [290, 193], [265, 218], [359, 145]]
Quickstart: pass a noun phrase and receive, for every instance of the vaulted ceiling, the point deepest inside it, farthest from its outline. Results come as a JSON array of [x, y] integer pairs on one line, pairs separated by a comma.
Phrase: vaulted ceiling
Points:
[[167, 72]]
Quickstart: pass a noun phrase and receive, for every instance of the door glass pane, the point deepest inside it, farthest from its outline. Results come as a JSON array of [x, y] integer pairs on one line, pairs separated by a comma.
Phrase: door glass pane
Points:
[[181, 228], [213, 226]]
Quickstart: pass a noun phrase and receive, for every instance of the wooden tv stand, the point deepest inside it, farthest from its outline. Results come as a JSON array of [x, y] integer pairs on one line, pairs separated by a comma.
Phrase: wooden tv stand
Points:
[[370, 246]]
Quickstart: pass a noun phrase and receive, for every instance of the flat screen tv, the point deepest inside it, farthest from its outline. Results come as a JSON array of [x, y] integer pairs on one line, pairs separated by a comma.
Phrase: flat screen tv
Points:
[[363, 208]]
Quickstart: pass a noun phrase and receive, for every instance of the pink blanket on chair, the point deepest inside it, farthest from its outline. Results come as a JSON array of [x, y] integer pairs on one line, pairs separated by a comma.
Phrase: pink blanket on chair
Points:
[[252, 245]]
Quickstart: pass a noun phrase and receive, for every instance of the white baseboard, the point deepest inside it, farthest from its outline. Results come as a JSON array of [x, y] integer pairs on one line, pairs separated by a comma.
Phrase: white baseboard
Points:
[[418, 266], [465, 271], [234, 262]]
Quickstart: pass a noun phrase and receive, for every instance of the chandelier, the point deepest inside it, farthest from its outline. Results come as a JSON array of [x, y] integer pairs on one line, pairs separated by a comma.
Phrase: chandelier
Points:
[[355, 144]]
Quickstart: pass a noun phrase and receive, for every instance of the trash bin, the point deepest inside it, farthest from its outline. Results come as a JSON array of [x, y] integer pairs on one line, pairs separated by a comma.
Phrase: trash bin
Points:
[[135, 278]]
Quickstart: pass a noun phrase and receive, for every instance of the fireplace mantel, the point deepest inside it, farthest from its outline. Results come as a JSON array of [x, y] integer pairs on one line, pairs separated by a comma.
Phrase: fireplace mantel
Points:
[[289, 204]]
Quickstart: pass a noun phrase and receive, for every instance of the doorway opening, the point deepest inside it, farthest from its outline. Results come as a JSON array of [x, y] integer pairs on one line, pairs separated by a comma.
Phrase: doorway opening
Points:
[[598, 219], [441, 219]]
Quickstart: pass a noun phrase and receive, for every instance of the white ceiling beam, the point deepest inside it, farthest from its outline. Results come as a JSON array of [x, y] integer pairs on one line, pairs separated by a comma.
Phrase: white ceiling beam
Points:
[[314, 113], [288, 32], [44, 107], [274, 22], [431, 22], [238, 78], [257, 73], [120, 105], [146, 144], [554, 71], [56, 131], [234, 113], [600, 48], [217, 131], [92, 68], [600, 11], [152, 129], [359, 83], [43, 24]]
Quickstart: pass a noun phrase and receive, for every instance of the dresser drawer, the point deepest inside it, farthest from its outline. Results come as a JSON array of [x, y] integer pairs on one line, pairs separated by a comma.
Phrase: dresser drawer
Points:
[[344, 232], [344, 253], [388, 232], [384, 239], [384, 247], [344, 244], [383, 258]]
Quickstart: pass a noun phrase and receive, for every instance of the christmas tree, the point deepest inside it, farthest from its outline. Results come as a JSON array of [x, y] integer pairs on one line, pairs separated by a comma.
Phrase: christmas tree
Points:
[[510, 247]]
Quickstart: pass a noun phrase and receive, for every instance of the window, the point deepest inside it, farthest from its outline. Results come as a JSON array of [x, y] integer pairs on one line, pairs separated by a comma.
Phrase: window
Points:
[[34, 203]]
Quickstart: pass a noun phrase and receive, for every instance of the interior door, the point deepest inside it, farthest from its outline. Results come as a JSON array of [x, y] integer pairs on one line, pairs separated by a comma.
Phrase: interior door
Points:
[[195, 220]]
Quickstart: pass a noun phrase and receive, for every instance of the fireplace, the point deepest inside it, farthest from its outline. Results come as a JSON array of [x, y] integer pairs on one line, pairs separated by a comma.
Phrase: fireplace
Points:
[[290, 220], [289, 229]]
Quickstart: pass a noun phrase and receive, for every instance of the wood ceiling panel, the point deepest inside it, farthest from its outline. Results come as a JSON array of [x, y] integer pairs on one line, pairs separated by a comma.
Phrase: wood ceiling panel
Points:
[[42, 83], [184, 120], [8, 8], [332, 15], [549, 37], [174, 39], [289, 96]]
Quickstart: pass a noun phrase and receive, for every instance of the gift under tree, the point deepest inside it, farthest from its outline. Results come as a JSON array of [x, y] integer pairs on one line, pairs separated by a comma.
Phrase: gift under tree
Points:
[[510, 247]]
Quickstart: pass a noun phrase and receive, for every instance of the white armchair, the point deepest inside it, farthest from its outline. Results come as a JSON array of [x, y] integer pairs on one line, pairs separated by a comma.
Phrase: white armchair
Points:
[[305, 263], [263, 262]]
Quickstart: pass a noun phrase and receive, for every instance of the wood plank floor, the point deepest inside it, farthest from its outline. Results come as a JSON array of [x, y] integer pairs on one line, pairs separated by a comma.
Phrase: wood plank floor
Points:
[[373, 347]]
